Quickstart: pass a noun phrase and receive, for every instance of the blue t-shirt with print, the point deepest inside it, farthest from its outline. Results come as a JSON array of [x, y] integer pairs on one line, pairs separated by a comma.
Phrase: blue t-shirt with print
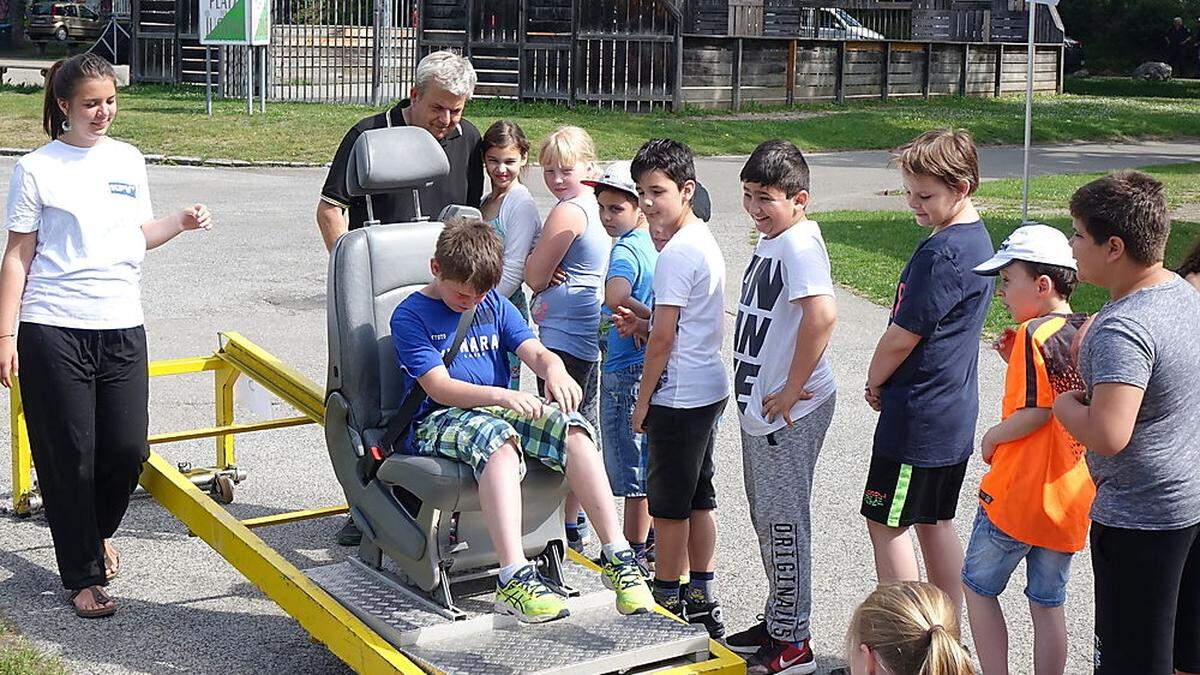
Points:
[[930, 404], [423, 331], [632, 258]]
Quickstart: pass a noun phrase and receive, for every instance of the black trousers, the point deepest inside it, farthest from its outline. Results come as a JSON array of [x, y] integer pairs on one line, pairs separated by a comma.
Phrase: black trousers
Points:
[[85, 395], [1147, 600]]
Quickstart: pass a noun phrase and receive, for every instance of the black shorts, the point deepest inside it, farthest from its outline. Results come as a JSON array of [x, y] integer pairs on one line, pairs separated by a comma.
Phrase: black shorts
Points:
[[1147, 599], [679, 466], [899, 495]]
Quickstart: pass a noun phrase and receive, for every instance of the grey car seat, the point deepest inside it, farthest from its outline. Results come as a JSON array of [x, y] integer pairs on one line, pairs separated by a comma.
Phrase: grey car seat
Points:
[[421, 512]]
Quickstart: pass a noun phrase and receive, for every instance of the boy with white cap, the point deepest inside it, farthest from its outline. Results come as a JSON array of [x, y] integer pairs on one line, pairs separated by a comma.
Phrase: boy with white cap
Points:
[[627, 288], [1034, 499]]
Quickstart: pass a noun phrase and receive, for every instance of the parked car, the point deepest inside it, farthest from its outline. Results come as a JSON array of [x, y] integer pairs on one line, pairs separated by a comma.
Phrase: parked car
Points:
[[1072, 54], [833, 23], [62, 22]]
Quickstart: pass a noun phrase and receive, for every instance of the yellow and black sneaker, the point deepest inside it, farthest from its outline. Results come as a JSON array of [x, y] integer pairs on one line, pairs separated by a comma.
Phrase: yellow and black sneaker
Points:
[[528, 599], [623, 575]]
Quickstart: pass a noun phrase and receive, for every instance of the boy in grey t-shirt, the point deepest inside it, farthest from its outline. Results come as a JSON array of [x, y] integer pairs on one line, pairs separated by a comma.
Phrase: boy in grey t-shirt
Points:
[[1140, 421]]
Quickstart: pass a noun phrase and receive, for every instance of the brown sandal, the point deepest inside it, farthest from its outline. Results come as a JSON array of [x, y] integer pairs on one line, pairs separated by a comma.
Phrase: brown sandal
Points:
[[107, 606], [112, 563]]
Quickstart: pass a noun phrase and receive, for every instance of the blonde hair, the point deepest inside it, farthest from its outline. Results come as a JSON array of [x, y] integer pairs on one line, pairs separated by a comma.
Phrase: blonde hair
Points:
[[567, 146], [946, 154], [913, 629]]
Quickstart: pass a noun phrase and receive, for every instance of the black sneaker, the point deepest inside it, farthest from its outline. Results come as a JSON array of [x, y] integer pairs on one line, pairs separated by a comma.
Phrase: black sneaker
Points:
[[673, 602], [575, 541], [706, 613], [349, 535], [750, 640]]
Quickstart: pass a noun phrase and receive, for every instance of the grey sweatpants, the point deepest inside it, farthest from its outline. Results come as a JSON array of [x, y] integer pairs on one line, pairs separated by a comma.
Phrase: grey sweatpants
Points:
[[778, 470]]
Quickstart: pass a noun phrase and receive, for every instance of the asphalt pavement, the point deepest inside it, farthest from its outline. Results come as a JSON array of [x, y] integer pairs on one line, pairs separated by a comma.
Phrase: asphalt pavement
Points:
[[261, 273]]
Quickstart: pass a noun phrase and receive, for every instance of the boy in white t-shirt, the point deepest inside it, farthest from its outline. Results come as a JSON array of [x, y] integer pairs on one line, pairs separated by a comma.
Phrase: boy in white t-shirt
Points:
[[785, 395], [684, 385]]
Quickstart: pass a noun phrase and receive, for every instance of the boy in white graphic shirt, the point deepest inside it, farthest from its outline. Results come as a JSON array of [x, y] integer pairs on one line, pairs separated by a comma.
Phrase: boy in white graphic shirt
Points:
[[785, 394]]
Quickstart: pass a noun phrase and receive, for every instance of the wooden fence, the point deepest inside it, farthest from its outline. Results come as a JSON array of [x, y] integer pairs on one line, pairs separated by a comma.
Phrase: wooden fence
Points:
[[725, 72], [609, 53], [634, 55]]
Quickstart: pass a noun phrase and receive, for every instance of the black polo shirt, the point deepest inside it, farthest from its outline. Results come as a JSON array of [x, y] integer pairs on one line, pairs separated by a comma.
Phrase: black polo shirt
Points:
[[463, 185]]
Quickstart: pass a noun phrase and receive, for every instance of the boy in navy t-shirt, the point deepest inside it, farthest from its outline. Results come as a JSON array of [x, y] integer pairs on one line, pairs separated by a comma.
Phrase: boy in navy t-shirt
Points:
[[472, 416], [923, 378]]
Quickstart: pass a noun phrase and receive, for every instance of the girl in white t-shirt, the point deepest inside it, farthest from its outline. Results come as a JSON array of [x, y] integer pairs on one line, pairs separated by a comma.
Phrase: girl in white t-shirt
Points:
[[79, 223], [510, 209]]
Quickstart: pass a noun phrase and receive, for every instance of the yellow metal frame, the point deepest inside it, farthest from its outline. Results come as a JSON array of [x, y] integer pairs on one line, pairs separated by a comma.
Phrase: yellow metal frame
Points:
[[325, 619]]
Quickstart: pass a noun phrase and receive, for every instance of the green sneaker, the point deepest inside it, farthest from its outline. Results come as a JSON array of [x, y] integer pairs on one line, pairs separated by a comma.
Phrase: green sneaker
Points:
[[528, 599], [624, 576]]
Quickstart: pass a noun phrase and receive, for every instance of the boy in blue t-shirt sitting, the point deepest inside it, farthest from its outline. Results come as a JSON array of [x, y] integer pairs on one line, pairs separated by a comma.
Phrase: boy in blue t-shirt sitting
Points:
[[472, 416], [628, 286]]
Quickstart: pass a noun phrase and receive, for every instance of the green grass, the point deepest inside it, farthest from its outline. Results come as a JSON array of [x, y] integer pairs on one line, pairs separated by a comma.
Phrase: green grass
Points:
[[1131, 88], [171, 121], [17, 657], [869, 249]]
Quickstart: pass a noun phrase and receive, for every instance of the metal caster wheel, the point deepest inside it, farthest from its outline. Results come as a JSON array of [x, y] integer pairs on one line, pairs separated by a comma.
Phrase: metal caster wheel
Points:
[[222, 489]]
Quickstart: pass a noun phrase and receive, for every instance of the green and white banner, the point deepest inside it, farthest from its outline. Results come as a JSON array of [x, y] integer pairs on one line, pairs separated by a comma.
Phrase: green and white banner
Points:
[[235, 22]]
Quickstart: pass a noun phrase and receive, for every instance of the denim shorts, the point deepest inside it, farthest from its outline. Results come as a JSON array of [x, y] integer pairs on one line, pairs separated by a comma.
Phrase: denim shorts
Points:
[[992, 556], [624, 451]]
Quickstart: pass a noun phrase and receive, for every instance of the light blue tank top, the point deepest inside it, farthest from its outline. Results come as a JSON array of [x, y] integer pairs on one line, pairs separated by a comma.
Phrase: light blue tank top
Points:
[[568, 315]]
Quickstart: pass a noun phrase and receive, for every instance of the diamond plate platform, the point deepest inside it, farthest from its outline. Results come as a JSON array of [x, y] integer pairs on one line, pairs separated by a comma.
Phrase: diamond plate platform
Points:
[[594, 639], [591, 640]]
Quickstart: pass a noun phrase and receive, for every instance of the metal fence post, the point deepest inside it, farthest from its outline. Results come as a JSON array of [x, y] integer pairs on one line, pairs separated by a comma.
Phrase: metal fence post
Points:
[[576, 53], [928, 76], [677, 94], [469, 34], [376, 51], [135, 13], [999, 67], [841, 72], [962, 73], [736, 97], [522, 17], [885, 80], [791, 73]]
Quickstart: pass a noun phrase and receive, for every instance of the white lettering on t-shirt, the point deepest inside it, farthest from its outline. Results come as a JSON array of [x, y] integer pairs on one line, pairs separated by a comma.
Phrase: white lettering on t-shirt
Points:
[[784, 269]]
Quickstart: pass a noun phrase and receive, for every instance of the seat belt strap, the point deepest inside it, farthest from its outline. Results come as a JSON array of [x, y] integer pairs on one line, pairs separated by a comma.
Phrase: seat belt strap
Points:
[[416, 396]]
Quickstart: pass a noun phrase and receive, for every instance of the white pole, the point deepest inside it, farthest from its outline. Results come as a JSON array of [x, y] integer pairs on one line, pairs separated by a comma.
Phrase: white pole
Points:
[[262, 81], [1028, 113], [208, 80], [249, 80]]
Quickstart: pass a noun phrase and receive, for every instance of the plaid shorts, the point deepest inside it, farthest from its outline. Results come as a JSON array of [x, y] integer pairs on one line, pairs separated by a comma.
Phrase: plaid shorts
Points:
[[472, 435]]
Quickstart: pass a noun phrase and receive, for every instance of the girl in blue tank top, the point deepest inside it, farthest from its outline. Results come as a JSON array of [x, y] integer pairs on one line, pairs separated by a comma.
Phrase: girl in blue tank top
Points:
[[574, 242]]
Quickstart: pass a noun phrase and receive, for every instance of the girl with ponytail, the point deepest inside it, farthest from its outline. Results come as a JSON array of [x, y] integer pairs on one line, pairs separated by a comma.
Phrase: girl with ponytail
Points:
[[79, 223], [907, 628]]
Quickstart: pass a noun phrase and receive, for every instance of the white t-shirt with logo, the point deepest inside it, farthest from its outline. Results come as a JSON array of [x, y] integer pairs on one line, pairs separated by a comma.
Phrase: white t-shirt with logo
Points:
[[87, 206], [788, 267], [690, 274]]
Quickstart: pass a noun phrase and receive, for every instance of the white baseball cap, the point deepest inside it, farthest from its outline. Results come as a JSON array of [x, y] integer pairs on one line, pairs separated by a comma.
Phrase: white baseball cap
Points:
[[1035, 243], [617, 175]]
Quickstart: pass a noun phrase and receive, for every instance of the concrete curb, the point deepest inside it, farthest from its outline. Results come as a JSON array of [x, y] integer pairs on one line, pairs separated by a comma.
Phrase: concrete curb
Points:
[[178, 160]]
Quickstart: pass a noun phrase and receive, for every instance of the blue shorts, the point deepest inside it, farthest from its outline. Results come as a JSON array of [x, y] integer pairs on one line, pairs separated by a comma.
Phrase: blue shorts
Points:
[[624, 451], [992, 556]]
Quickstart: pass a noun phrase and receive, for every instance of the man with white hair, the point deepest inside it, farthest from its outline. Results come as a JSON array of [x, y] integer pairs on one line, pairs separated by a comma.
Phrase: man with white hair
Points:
[[443, 85]]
